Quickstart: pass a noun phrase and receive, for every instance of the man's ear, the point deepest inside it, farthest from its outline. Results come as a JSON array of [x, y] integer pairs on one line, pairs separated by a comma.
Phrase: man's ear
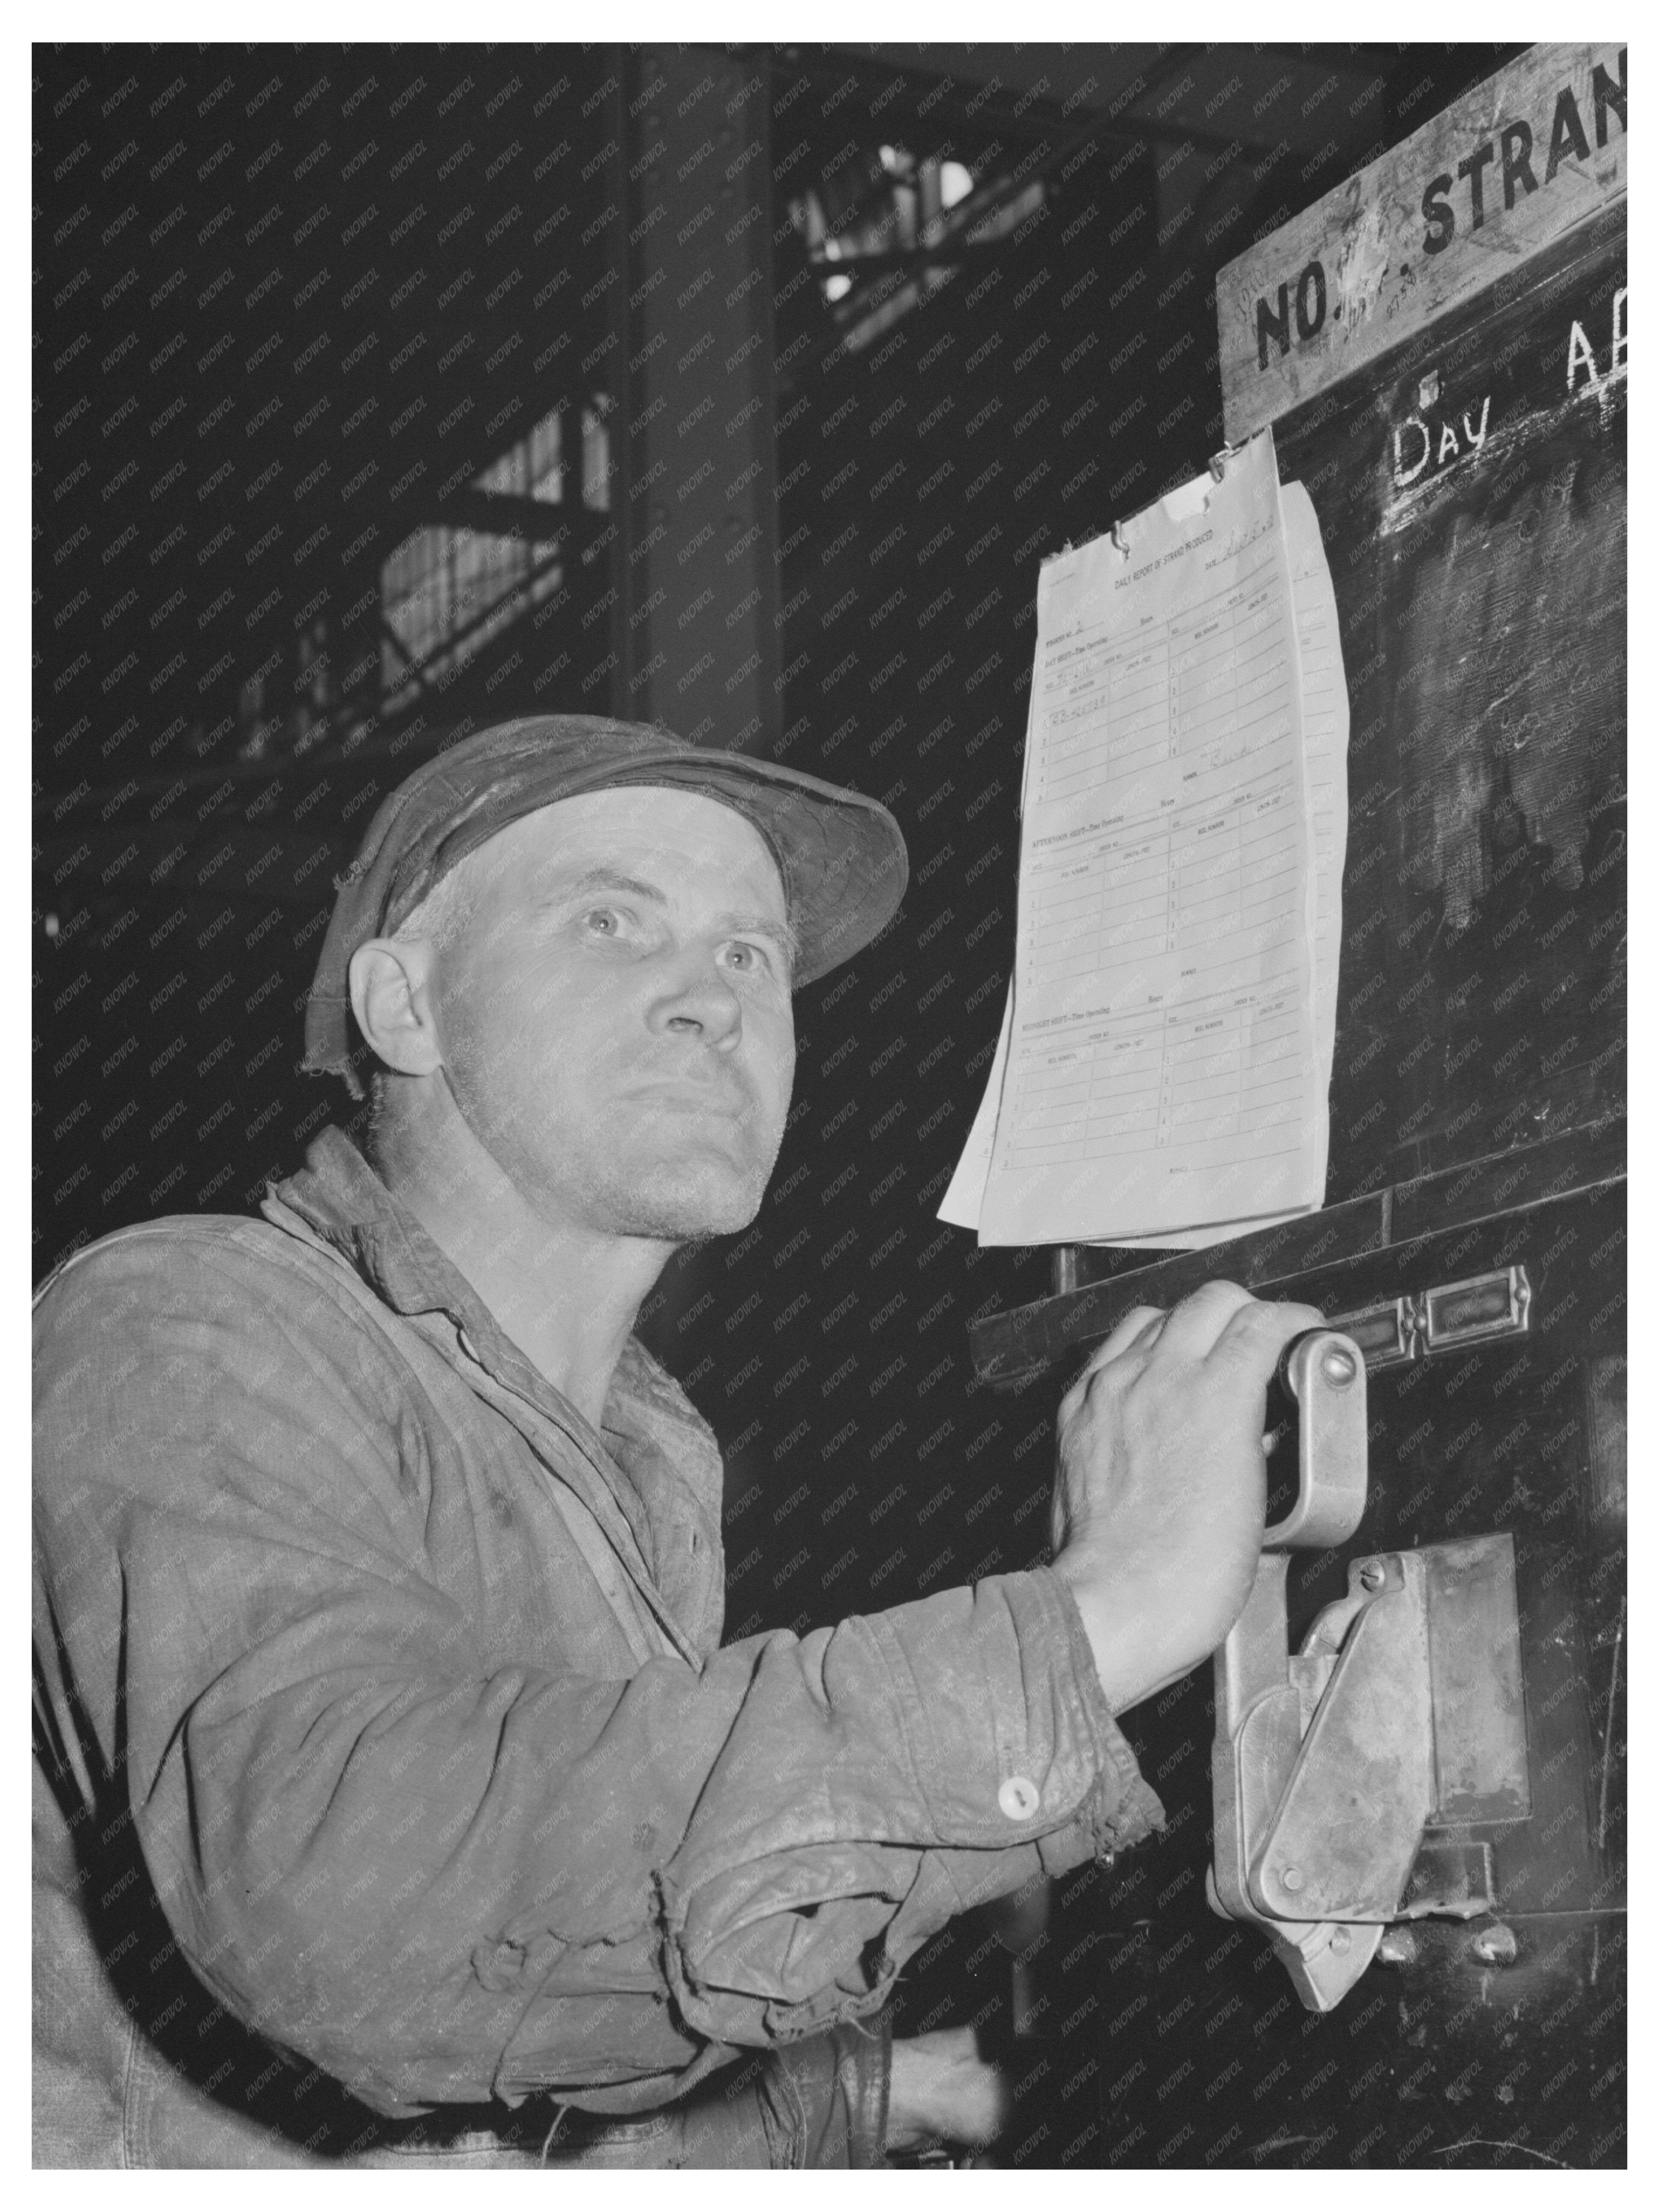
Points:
[[391, 997]]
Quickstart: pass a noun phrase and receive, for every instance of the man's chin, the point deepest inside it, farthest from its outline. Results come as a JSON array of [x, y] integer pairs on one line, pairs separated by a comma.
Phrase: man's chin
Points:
[[684, 1207]]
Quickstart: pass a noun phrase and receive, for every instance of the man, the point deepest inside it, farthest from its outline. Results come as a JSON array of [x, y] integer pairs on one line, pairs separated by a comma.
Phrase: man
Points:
[[396, 1800]]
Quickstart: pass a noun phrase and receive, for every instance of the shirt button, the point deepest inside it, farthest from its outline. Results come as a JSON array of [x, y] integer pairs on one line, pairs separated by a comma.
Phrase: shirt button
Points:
[[1018, 1798]]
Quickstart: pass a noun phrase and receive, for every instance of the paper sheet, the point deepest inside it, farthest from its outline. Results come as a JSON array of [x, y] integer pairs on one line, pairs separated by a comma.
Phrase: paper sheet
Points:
[[1325, 741], [1162, 1056]]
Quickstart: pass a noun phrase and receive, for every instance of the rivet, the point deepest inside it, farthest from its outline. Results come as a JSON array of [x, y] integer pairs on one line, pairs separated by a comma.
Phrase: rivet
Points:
[[1372, 1575], [1291, 1878], [1337, 1366], [1495, 1946], [1341, 1939]]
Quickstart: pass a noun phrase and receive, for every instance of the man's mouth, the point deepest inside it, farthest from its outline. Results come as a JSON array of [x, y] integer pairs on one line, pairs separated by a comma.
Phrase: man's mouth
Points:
[[697, 1098]]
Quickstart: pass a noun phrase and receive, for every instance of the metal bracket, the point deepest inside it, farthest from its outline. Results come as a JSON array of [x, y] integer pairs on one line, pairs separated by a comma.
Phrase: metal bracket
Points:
[[1456, 1314], [1444, 1319], [1385, 1334]]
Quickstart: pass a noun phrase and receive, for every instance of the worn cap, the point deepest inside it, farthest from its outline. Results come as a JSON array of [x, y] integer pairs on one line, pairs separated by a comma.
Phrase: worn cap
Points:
[[840, 855]]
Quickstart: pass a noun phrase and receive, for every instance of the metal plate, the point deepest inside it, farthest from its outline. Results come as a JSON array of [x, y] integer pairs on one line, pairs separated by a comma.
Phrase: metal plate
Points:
[[1474, 1673], [1456, 1314], [1385, 1334]]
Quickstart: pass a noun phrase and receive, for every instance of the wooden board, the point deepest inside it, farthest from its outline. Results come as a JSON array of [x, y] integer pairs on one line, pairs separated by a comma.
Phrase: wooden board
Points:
[[1450, 213]]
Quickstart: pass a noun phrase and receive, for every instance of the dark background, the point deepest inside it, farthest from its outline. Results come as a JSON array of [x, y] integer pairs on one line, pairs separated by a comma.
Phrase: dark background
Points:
[[291, 307]]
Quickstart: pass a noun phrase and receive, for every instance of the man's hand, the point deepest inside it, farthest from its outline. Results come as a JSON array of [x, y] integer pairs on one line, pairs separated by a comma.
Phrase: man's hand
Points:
[[940, 2090], [1160, 1498]]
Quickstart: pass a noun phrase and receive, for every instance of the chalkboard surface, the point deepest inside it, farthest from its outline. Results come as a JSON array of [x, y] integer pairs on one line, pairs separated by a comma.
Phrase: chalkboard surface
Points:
[[1470, 487]]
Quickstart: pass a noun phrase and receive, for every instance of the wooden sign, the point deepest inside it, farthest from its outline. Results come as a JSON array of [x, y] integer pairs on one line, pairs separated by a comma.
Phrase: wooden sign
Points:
[[1522, 159]]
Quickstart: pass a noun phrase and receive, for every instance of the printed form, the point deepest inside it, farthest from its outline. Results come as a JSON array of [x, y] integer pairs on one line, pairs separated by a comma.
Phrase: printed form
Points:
[[1325, 740], [1325, 749], [1162, 1069]]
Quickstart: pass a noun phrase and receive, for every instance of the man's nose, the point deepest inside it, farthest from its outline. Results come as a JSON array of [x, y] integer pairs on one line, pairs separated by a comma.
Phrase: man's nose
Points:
[[698, 1001]]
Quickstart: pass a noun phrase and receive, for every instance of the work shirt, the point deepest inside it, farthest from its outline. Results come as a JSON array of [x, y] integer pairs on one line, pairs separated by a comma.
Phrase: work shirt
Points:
[[391, 1742]]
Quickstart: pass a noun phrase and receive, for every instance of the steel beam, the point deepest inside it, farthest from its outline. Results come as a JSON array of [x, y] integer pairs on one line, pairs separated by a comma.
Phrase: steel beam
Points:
[[694, 637]]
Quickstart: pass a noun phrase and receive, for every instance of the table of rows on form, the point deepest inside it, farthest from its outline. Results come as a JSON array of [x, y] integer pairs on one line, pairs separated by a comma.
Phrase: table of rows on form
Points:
[[1182, 908], [1223, 870], [1205, 692], [1222, 1066]]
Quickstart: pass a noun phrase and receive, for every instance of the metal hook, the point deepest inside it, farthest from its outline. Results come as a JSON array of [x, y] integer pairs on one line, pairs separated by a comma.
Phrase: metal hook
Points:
[[1118, 541], [1218, 462]]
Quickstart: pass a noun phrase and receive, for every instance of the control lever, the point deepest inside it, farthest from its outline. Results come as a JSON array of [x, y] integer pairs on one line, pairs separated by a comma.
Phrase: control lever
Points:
[[1262, 1711], [1401, 1714]]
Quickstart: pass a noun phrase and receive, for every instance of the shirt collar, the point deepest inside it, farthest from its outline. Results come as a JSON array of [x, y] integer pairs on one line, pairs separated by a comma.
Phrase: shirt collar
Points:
[[341, 1199], [339, 1196]]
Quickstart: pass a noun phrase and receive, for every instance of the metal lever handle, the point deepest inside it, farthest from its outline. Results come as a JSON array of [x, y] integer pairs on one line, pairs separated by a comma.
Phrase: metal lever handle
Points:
[[1325, 1372], [1259, 1715]]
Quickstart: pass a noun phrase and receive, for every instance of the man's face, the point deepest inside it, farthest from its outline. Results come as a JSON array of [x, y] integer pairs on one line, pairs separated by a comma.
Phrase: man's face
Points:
[[615, 1016]]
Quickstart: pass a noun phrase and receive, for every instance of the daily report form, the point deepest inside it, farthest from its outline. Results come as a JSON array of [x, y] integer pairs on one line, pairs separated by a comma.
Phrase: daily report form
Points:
[[1324, 751], [1162, 1068]]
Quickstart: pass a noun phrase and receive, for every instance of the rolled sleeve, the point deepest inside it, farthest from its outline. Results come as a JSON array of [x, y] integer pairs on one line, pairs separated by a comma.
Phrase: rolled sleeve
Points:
[[949, 1748]]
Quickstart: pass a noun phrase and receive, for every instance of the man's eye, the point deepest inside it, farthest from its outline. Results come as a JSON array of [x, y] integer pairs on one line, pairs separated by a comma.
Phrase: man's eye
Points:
[[604, 920], [750, 958]]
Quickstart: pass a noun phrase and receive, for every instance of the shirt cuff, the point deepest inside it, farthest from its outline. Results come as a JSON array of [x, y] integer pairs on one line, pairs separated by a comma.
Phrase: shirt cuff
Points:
[[1121, 1809], [1011, 1752], [976, 1748]]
